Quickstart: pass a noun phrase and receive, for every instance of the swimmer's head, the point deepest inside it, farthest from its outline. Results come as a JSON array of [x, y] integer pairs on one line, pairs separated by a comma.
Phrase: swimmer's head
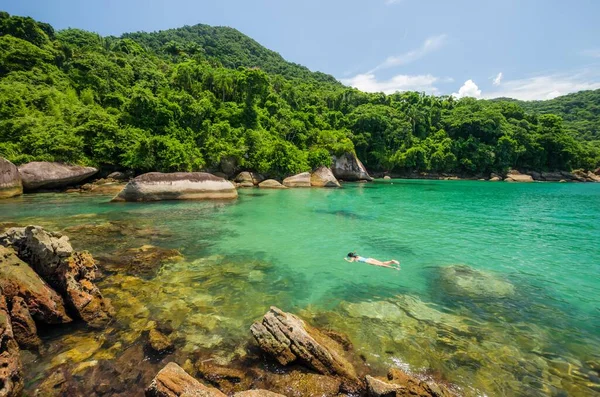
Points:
[[351, 254]]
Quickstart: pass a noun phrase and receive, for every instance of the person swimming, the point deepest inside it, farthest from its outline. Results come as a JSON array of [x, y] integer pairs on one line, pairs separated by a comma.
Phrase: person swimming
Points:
[[352, 257]]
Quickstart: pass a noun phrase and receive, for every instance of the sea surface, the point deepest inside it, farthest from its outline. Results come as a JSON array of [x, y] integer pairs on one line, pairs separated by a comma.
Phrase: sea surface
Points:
[[498, 292]]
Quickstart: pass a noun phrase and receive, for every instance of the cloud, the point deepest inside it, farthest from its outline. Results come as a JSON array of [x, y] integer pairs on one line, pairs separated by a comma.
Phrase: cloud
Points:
[[498, 79], [431, 44], [547, 86], [468, 89], [368, 82], [592, 52]]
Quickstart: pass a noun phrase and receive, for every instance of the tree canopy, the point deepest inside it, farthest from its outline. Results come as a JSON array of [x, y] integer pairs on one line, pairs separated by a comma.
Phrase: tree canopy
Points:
[[195, 97]]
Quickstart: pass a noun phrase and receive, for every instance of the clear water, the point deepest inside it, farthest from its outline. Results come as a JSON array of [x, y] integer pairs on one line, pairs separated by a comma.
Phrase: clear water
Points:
[[524, 319]]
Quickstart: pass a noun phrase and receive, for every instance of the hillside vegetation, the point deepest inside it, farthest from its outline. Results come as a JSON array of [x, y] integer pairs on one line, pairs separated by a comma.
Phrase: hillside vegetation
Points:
[[190, 98]]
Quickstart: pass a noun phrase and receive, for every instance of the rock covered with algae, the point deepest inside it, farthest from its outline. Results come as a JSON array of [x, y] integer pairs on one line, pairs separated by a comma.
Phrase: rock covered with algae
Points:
[[462, 280], [11, 372], [173, 381]]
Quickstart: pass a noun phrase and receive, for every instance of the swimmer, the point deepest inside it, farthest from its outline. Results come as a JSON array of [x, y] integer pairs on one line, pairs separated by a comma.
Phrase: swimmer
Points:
[[352, 257]]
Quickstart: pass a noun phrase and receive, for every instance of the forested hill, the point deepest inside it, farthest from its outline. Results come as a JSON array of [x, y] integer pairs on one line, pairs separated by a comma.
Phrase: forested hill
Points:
[[198, 97], [223, 45], [580, 112]]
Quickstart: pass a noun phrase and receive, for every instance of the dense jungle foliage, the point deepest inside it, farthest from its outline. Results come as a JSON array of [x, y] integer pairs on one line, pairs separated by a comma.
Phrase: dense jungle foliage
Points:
[[195, 97]]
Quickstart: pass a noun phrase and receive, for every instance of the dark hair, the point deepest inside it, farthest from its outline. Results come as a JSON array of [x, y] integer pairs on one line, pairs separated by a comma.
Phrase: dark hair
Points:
[[351, 254]]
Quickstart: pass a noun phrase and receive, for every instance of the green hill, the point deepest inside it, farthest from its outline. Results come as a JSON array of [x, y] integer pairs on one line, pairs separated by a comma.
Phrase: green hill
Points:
[[198, 97]]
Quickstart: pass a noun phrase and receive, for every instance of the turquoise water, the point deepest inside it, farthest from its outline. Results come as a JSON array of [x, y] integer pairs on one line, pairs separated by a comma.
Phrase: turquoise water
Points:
[[523, 320]]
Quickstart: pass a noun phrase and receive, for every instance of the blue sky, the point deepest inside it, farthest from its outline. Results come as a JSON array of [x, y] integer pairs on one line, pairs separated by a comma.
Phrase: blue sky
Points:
[[526, 49]]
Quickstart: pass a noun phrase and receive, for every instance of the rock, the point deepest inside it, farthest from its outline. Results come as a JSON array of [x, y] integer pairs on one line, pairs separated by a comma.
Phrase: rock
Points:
[[11, 373], [387, 177], [288, 339], [299, 384], [536, 175], [70, 273], [463, 280], [597, 171], [348, 167], [144, 261], [552, 176], [299, 180], [159, 342], [76, 276], [516, 176], [412, 386], [119, 176], [24, 328], [17, 279], [257, 393], [41, 174], [323, 177], [110, 188], [249, 177], [10, 180], [226, 379], [229, 165], [495, 179], [173, 381], [155, 186], [593, 177], [220, 175], [379, 388], [271, 184]]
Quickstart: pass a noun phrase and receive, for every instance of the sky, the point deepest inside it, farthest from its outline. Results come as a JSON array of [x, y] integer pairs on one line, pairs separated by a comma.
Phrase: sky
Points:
[[524, 49]]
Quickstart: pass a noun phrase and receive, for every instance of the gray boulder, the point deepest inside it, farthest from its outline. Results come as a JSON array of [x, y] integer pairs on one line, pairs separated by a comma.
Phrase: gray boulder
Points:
[[348, 167], [299, 180], [156, 186], [118, 176], [10, 180], [516, 176], [323, 177], [45, 175], [271, 184], [248, 178]]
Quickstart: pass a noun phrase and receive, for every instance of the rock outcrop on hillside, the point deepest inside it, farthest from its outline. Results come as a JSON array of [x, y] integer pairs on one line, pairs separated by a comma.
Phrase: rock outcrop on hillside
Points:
[[156, 186]]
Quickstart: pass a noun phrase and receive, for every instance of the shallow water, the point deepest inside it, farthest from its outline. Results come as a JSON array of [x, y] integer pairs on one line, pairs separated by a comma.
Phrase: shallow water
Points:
[[520, 318]]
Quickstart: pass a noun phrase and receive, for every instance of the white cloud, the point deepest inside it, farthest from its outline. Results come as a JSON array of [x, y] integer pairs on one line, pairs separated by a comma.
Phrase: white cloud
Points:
[[592, 52], [431, 44], [468, 89], [368, 82], [547, 87], [498, 79]]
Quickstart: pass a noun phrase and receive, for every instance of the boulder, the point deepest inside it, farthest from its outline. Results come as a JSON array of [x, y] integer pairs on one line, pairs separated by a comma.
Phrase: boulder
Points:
[[155, 186], [118, 176], [495, 179], [173, 381], [70, 273], [379, 388], [387, 177], [158, 342], [17, 279], [536, 175], [289, 339], [299, 180], [11, 372], [45, 175], [24, 327], [299, 384], [552, 176], [229, 165], [257, 393], [516, 176], [593, 177], [271, 184], [10, 180], [247, 177], [416, 387], [323, 177], [348, 167], [227, 379], [597, 171], [462, 280]]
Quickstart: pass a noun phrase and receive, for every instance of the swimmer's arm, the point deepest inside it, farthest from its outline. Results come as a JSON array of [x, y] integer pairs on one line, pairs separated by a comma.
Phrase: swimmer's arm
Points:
[[349, 260]]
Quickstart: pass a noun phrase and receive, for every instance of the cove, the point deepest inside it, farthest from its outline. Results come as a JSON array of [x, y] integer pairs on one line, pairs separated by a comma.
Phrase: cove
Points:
[[498, 292]]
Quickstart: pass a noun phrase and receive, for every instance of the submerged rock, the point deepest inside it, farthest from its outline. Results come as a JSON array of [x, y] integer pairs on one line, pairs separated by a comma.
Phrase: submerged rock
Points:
[[271, 184], [11, 372], [24, 327], [257, 393], [299, 384], [173, 381], [323, 177], [348, 167], [17, 279], [288, 339], [158, 342], [156, 186], [463, 280], [10, 180], [45, 175], [144, 261], [299, 180], [226, 379]]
